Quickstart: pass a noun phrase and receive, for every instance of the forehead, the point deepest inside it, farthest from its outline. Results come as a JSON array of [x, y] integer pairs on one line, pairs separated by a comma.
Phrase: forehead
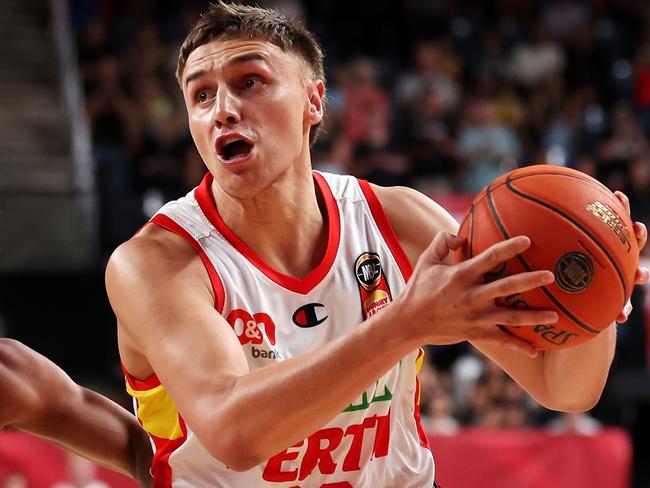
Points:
[[222, 53]]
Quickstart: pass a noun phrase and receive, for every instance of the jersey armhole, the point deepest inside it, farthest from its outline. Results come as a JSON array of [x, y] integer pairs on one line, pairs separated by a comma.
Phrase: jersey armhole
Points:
[[386, 229], [170, 225]]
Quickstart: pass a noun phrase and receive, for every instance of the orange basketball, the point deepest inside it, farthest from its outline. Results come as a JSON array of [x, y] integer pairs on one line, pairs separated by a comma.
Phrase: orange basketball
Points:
[[578, 229]]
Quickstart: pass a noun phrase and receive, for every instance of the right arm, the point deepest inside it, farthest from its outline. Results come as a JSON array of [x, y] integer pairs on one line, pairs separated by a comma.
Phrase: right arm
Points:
[[165, 310]]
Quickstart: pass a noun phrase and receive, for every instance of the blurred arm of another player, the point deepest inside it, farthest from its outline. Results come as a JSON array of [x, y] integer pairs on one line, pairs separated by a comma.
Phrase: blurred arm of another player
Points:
[[566, 380], [36, 396]]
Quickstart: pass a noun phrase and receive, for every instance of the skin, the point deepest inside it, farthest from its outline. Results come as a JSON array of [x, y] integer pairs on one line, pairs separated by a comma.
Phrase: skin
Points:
[[36, 396], [163, 299]]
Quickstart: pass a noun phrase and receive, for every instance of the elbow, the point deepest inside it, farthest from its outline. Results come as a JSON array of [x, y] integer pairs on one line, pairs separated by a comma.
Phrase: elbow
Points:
[[572, 405], [228, 444]]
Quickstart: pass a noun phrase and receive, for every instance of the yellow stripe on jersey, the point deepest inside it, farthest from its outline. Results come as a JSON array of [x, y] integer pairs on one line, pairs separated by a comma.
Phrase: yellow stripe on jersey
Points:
[[157, 412], [419, 360], [418, 366]]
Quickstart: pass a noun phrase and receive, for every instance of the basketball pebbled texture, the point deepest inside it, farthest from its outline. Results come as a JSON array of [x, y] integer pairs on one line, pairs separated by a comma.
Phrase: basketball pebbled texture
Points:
[[578, 229]]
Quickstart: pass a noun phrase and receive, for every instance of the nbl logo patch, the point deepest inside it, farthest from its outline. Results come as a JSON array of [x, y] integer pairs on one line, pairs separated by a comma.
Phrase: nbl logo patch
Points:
[[373, 287]]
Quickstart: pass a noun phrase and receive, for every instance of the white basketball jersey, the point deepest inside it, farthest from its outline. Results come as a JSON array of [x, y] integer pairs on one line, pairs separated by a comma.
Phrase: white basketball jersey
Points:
[[377, 441]]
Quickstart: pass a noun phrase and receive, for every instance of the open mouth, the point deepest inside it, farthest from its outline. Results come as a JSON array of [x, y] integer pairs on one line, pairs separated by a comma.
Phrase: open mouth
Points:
[[233, 149]]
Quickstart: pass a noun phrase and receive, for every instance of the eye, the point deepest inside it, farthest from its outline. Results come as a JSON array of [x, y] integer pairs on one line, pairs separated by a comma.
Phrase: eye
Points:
[[202, 96], [251, 82]]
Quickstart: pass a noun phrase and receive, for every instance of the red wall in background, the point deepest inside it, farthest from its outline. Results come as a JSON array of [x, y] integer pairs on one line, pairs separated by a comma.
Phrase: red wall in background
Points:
[[473, 458]]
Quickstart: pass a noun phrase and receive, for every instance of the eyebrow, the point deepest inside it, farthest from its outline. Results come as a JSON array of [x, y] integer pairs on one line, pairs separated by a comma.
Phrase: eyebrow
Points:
[[242, 58]]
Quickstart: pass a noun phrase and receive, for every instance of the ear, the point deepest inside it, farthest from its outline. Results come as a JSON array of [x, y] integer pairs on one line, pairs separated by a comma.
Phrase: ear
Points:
[[315, 108]]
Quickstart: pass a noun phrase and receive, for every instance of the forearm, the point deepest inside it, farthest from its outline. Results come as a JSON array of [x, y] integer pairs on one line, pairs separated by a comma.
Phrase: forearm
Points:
[[96, 428], [270, 409], [575, 377], [569, 379]]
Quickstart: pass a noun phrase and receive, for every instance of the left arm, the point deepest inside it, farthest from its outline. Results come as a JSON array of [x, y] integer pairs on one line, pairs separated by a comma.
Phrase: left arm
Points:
[[36, 396], [551, 377]]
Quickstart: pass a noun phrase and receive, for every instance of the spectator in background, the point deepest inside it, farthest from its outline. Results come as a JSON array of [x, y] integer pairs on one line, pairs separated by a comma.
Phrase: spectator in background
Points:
[[497, 402], [434, 70], [489, 148], [440, 420], [365, 128], [117, 137], [94, 45], [436, 402], [426, 99], [577, 423], [618, 153], [536, 60], [366, 113]]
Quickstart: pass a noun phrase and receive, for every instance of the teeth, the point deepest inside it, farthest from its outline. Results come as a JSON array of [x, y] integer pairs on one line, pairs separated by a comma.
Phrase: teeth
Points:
[[230, 140]]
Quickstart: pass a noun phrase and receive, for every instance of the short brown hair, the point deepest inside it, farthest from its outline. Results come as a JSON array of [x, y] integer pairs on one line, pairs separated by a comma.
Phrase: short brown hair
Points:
[[230, 20]]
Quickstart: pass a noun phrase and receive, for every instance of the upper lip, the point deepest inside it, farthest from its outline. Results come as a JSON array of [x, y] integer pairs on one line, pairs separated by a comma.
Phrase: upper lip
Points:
[[228, 138]]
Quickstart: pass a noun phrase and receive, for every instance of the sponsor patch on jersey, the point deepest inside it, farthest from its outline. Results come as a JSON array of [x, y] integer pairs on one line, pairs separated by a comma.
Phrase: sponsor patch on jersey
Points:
[[252, 328], [373, 287], [309, 315]]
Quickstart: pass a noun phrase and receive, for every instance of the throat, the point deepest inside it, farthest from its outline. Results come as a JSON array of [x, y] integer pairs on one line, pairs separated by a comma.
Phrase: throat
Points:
[[293, 251]]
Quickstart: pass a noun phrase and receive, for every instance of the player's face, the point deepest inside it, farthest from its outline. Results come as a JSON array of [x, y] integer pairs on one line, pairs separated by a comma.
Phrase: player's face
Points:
[[250, 106]]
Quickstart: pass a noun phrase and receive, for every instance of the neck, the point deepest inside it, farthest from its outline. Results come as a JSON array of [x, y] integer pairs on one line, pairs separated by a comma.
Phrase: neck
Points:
[[284, 224]]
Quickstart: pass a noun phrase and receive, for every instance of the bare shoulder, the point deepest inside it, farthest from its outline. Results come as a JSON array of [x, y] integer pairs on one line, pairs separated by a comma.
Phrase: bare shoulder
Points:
[[150, 279], [152, 250], [415, 218], [155, 258]]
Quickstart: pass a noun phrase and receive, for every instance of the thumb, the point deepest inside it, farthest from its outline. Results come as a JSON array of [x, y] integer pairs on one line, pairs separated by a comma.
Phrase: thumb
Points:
[[440, 247]]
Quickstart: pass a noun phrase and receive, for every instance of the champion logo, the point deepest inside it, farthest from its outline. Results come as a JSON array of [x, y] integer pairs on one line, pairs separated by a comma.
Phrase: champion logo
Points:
[[309, 315]]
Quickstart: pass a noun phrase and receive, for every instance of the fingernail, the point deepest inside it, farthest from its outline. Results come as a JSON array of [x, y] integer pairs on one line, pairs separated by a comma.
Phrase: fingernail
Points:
[[552, 317], [548, 278]]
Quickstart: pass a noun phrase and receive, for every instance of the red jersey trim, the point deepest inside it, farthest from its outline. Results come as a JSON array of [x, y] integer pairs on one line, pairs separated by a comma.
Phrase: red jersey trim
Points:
[[386, 229], [203, 195], [160, 468], [140, 385], [217, 286]]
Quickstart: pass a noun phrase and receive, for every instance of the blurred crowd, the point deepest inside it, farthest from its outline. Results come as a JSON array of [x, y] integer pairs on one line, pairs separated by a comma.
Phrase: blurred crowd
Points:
[[439, 95]]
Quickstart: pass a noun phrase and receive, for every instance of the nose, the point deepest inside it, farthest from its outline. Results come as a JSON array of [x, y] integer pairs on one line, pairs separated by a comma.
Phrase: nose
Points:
[[226, 109]]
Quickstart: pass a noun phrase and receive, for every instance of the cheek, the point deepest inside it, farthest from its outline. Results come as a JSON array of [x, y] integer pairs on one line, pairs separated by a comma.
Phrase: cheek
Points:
[[285, 119], [200, 126]]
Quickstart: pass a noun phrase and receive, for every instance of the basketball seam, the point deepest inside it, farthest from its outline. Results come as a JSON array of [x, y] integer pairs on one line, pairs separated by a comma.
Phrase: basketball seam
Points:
[[589, 180], [577, 224], [523, 262]]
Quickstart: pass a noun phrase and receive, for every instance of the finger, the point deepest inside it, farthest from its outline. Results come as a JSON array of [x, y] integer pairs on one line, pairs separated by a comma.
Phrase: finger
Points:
[[642, 276], [623, 316], [622, 197], [496, 254], [641, 234], [441, 245], [519, 317], [510, 285]]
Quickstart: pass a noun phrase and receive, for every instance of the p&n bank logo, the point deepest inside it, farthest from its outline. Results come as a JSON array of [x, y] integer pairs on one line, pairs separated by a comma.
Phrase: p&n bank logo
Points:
[[253, 329]]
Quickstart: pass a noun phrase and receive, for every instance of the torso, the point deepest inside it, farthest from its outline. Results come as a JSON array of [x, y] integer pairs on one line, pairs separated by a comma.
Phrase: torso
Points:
[[276, 317]]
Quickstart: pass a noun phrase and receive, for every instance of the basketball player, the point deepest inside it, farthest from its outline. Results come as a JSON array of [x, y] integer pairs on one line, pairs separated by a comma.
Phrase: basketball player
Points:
[[270, 322], [36, 396]]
